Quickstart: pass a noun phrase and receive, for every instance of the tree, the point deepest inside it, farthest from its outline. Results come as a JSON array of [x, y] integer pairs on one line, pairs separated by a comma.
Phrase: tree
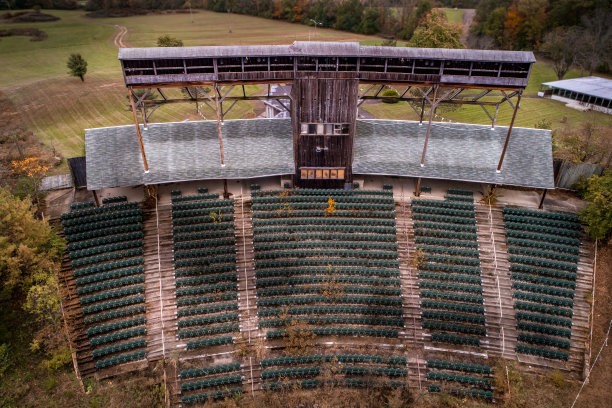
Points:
[[589, 142], [595, 41], [167, 41], [436, 32], [559, 46], [369, 23], [597, 191], [415, 16], [348, 16], [77, 66]]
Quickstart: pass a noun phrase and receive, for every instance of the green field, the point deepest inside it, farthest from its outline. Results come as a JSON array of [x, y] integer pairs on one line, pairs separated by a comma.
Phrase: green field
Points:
[[454, 16]]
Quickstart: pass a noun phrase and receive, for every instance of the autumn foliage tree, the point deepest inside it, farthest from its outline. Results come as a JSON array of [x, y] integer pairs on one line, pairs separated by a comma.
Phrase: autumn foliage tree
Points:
[[436, 32]]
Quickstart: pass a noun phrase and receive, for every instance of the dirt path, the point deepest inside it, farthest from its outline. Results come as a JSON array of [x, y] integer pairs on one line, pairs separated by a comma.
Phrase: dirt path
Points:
[[119, 38], [468, 18]]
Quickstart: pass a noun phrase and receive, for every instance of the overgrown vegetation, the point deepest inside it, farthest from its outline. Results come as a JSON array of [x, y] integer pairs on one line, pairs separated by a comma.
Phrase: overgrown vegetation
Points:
[[597, 191]]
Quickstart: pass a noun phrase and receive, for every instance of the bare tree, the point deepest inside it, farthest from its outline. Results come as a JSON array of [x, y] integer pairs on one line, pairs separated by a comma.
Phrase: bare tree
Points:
[[595, 41], [559, 47]]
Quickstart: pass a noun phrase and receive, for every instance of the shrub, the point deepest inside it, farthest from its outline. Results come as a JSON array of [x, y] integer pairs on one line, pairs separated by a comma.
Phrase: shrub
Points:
[[390, 93]]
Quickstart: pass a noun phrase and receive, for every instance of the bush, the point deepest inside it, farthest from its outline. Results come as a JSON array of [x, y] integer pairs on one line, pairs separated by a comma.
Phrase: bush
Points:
[[597, 191], [392, 93]]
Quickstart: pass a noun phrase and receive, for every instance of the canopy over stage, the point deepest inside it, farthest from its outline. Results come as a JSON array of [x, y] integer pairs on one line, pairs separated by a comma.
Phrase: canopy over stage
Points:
[[253, 148]]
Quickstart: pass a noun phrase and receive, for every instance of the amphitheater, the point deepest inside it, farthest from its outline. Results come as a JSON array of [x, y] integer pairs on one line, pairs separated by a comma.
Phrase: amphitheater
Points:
[[209, 243]]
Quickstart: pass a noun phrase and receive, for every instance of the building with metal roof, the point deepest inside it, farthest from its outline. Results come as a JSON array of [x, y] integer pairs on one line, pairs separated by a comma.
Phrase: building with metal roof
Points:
[[588, 92]]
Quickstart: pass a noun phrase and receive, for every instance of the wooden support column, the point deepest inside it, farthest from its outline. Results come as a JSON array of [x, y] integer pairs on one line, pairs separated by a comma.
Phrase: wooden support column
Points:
[[217, 109], [142, 150], [96, 198], [431, 113], [542, 199], [422, 110], [501, 159], [417, 190]]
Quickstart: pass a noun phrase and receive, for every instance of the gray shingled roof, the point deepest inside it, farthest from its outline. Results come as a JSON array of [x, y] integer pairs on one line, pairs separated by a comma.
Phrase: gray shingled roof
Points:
[[320, 48], [455, 151], [263, 147]]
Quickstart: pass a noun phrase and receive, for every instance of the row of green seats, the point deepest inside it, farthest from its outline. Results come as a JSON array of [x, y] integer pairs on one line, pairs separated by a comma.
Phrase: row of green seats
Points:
[[311, 227], [455, 191], [537, 237], [324, 310], [85, 204], [371, 321], [214, 341], [337, 277], [388, 371], [116, 348], [105, 248], [543, 254], [458, 297], [455, 260], [321, 213], [546, 263], [418, 209], [198, 300], [103, 224], [290, 372], [325, 244], [105, 216], [207, 226], [454, 327], [449, 316], [210, 260], [200, 321], [206, 331], [521, 242], [223, 277], [527, 277], [543, 340], [471, 279], [89, 270], [551, 300], [122, 335], [131, 290], [456, 307], [362, 290], [116, 199], [204, 235], [211, 382], [182, 199], [205, 270], [460, 378], [450, 286], [542, 221], [281, 385], [91, 210], [555, 273], [547, 290], [422, 233], [552, 310], [214, 308], [120, 359], [111, 284], [113, 274], [449, 250], [464, 392], [340, 358], [555, 321], [303, 300], [325, 236], [280, 263], [454, 269], [537, 328], [114, 314], [322, 205], [102, 232], [445, 226], [205, 243], [459, 366], [196, 290], [455, 339], [116, 325], [196, 204], [541, 214], [113, 304], [321, 220], [205, 252], [442, 204], [321, 199], [341, 331], [213, 395], [215, 221], [446, 242], [210, 370], [446, 219], [540, 352], [326, 192], [107, 257], [307, 253], [74, 246], [458, 198], [336, 271], [543, 229], [199, 212]]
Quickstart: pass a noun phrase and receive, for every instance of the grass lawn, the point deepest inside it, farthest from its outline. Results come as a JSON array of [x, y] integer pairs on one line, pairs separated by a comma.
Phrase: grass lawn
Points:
[[454, 16]]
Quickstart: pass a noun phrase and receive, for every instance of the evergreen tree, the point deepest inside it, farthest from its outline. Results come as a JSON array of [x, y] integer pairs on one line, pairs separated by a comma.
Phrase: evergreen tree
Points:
[[77, 66]]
